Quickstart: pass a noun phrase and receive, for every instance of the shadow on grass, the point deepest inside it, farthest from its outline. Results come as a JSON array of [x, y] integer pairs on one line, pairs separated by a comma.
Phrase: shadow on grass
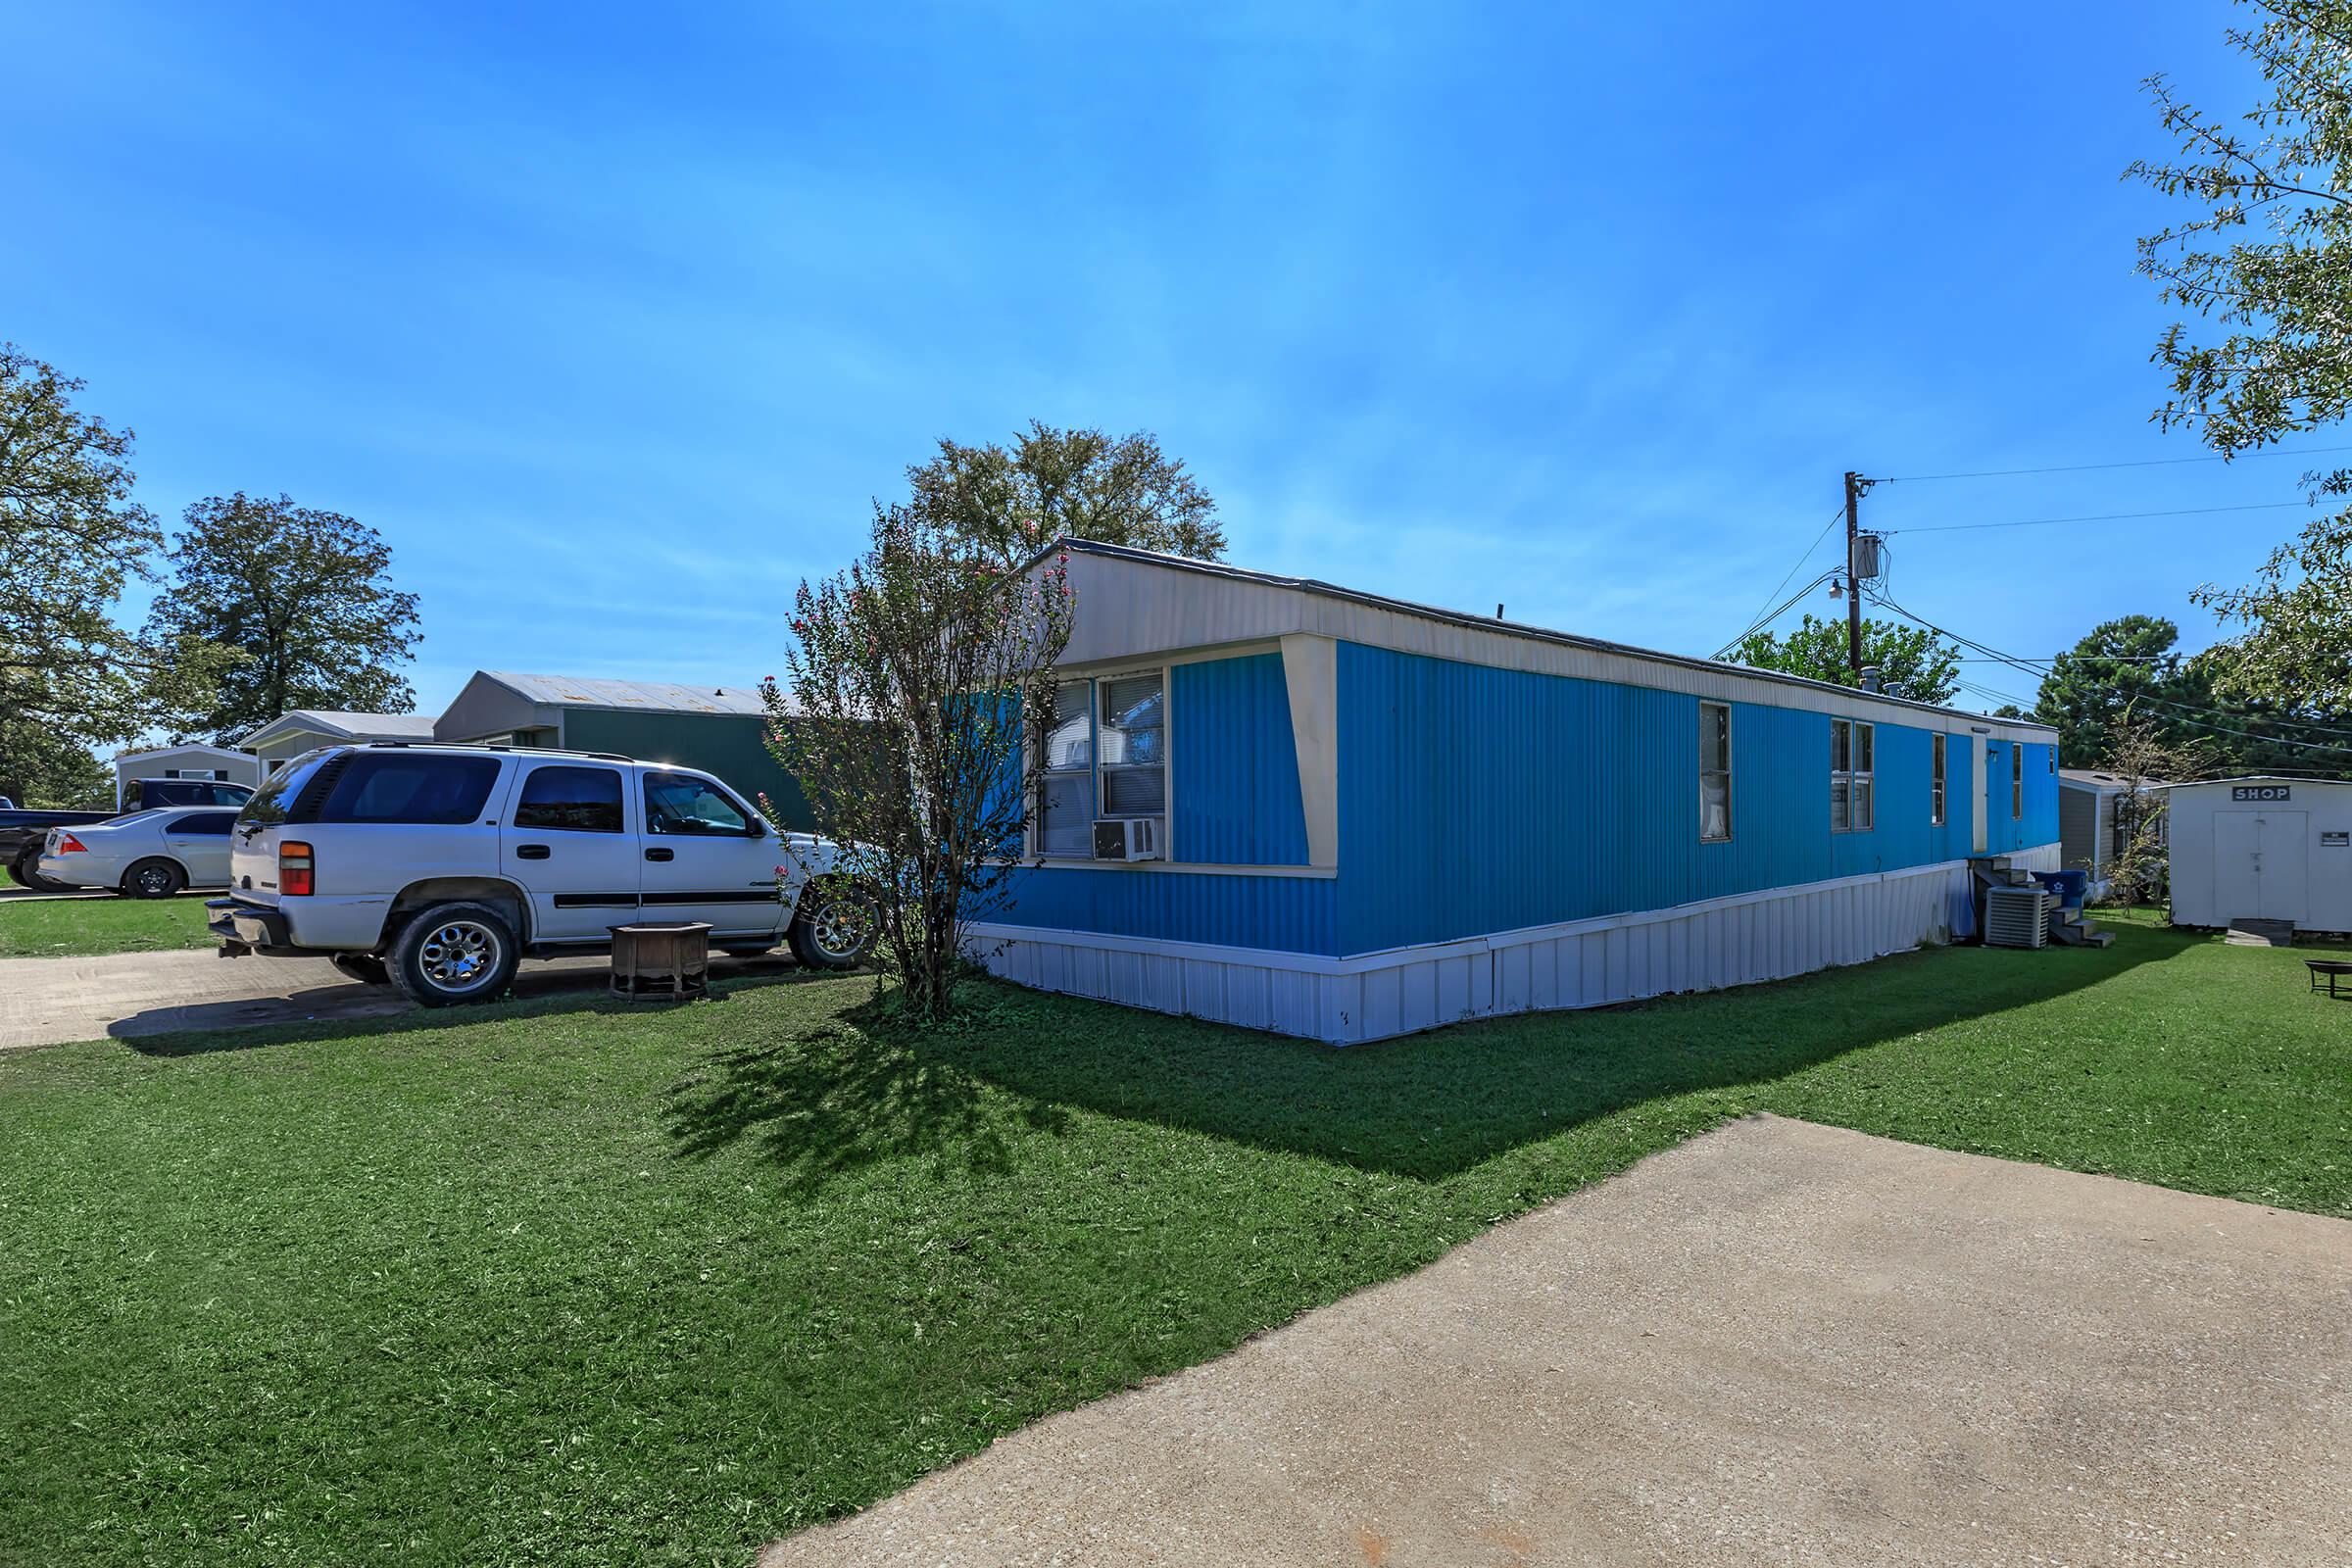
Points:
[[351, 1011], [1430, 1106], [844, 1093]]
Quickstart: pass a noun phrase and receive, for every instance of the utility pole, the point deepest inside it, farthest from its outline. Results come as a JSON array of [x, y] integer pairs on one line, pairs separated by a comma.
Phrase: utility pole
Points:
[[1856, 484]]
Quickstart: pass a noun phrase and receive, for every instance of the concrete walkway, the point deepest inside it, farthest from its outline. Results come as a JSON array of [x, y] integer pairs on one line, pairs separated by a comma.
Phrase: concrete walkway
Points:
[[1778, 1344], [49, 1001]]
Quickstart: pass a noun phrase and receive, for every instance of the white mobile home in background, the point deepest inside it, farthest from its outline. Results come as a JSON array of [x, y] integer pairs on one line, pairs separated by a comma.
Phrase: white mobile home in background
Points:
[[2268, 849]]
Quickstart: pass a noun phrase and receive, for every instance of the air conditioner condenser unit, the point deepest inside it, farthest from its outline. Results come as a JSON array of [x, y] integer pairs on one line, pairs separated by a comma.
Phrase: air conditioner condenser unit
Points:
[[2016, 918], [1126, 838]]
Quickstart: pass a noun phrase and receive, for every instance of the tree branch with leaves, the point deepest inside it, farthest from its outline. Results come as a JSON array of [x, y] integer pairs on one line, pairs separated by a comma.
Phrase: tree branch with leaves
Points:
[[910, 687], [2267, 260]]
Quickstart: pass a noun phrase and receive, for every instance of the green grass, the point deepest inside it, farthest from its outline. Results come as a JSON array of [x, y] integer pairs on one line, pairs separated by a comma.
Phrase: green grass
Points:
[[591, 1287], [82, 928]]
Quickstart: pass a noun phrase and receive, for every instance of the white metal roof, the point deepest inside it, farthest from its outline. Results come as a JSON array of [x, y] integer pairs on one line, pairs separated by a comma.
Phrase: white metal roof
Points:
[[334, 722], [192, 749], [643, 696]]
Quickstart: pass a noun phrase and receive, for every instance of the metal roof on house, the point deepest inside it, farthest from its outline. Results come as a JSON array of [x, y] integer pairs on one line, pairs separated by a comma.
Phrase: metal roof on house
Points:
[[2096, 779], [1850, 698], [389, 725], [638, 695]]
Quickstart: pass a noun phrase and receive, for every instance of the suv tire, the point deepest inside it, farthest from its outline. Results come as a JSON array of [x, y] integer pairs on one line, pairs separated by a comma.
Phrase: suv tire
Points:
[[451, 954], [832, 927], [156, 879]]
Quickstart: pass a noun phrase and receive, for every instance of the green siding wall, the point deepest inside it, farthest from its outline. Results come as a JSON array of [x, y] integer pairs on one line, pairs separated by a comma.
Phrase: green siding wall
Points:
[[733, 747]]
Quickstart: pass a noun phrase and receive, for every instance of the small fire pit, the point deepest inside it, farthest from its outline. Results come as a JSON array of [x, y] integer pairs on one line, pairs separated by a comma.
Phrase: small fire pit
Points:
[[668, 961]]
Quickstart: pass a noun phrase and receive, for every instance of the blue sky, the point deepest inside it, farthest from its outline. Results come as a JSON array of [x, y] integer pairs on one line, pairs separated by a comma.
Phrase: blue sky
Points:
[[614, 322]]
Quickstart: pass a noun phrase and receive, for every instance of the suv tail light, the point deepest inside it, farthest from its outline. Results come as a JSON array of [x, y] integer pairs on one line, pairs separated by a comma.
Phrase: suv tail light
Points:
[[294, 868], [68, 843]]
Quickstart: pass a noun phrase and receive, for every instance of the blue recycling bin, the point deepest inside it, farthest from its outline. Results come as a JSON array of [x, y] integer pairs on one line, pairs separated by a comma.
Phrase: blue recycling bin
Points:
[[2070, 888]]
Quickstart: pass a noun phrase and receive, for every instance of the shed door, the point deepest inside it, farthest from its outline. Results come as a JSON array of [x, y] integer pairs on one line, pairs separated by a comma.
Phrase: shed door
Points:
[[2260, 866]]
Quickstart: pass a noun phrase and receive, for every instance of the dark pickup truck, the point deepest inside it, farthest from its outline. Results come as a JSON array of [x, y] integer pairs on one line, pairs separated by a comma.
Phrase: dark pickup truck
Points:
[[21, 832]]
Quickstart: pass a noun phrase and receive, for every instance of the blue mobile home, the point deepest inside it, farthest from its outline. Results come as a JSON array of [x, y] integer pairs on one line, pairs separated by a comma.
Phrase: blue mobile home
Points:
[[1371, 818]]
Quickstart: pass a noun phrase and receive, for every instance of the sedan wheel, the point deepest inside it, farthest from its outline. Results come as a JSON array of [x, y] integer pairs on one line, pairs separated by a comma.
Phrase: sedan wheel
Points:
[[153, 879]]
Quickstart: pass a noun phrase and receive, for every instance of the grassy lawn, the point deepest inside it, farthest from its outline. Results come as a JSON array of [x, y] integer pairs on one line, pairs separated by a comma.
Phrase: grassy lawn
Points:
[[591, 1287], [79, 928]]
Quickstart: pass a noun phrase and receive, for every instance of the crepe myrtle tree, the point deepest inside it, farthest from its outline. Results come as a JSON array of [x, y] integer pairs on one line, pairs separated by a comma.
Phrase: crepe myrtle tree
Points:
[[900, 713]]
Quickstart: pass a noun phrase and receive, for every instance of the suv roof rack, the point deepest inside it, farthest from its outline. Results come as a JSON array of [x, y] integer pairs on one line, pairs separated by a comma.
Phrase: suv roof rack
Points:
[[500, 746]]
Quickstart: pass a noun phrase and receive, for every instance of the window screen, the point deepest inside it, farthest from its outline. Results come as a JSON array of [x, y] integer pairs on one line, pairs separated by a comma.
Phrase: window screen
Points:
[[1065, 794], [570, 800], [2016, 782], [1714, 771], [410, 787], [1935, 744], [1133, 730]]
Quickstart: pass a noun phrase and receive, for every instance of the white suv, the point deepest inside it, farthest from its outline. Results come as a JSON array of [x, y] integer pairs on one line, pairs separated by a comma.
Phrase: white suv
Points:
[[440, 867]]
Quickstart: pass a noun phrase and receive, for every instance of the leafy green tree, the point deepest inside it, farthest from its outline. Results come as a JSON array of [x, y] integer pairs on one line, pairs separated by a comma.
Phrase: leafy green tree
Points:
[[2130, 668], [42, 770], [2267, 260], [1912, 661], [909, 683], [2090, 687], [70, 538], [304, 597], [1010, 501]]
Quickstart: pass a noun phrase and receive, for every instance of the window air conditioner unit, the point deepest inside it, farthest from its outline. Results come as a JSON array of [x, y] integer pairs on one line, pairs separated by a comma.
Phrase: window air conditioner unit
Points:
[[1126, 838]]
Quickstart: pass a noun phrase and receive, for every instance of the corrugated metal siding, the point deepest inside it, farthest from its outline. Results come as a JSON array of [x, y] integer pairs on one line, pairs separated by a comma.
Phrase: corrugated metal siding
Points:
[[1296, 915], [732, 747], [1235, 798], [1477, 800]]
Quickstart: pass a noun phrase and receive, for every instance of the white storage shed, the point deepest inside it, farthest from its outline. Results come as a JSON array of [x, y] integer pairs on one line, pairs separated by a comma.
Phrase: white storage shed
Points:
[[2266, 849], [185, 762]]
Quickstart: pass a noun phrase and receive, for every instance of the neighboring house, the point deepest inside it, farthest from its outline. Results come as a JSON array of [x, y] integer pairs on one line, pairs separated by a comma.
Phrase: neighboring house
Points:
[[302, 729], [1375, 817], [722, 730], [2095, 820], [2262, 848], [185, 762]]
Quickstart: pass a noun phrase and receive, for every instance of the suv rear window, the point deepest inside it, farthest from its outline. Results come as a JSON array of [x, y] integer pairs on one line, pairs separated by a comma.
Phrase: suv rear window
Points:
[[410, 787]]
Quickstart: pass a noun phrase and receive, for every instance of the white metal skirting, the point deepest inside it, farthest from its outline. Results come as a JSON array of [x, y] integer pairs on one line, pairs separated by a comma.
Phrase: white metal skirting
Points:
[[1584, 963]]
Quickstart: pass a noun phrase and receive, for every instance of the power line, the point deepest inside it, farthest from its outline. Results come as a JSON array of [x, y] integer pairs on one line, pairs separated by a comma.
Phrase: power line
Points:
[[2026, 668], [2144, 462], [1774, 614], [2100, 516], [1765, 616]]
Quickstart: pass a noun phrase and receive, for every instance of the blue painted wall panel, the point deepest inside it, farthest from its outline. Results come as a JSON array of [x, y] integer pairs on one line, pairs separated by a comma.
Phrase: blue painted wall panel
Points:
[[1235, 798], [1290, 914], [1475, 800]]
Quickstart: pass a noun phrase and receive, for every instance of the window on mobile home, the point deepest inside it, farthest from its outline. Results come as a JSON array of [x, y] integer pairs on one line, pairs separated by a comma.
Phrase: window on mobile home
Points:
[[1936, 781], [1065, 793], [2017, 780], [1714, 771], [1133, 727], [1852, 744]]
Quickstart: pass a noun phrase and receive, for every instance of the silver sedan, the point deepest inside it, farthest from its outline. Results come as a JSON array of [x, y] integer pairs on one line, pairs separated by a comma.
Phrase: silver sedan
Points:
[[147, 854]]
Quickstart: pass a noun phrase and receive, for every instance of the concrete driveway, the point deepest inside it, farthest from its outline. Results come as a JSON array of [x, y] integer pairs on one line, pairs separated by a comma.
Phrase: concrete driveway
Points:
[[1778, 1344], [49, 1001]]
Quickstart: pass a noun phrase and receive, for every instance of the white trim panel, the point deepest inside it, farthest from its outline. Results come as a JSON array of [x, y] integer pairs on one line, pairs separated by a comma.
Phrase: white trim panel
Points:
[[1136, 607], [1708, 945]]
